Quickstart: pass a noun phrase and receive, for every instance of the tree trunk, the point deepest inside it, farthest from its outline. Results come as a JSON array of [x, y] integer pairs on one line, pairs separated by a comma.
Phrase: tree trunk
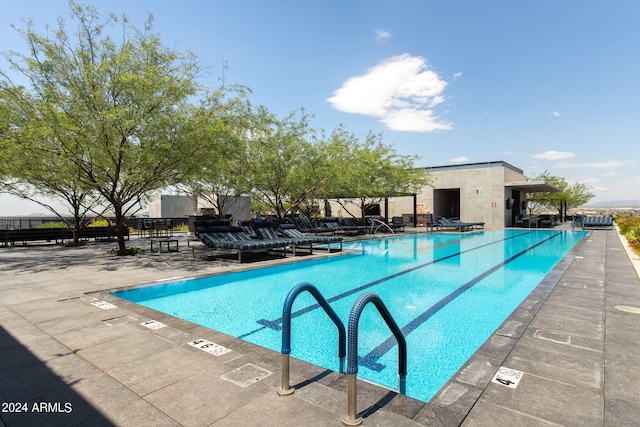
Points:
[[122, 248], [76, 226]]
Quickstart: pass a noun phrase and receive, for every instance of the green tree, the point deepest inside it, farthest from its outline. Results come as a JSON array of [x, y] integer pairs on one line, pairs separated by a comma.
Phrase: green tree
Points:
[[130, 115], [215, 178], [365, 173], [36, 172], [283, 162], [569, 196]]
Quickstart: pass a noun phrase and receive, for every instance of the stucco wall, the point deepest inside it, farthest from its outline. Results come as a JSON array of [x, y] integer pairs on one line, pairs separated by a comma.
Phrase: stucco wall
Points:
[[482, 192], [165, 206]]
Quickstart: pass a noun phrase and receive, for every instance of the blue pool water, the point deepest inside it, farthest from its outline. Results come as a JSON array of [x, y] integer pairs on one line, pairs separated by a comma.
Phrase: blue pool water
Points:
[[448, 293]]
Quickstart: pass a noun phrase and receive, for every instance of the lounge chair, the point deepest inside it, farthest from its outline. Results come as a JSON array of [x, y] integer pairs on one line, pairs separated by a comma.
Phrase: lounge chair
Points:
[[471, 224], [348, 224], [291, 231], [264, 230], [444, 223], [595, 221], [220, 235], [304, 225], [332, 225]]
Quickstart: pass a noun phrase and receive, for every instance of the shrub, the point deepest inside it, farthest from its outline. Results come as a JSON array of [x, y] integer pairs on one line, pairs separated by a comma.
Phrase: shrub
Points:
[[629, 226], [46, 225], [126, 252]]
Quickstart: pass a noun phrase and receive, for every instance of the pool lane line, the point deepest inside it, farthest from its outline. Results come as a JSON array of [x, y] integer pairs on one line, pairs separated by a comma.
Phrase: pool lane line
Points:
[[371, 359], [275, 324]]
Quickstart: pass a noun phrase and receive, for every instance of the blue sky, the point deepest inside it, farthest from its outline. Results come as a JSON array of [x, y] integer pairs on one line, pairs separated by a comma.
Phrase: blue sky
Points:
[[543, 85]]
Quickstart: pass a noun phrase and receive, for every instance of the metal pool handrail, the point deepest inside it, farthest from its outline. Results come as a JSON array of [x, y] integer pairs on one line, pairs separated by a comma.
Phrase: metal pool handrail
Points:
[[286, 331], [382, 223], [352, 358]]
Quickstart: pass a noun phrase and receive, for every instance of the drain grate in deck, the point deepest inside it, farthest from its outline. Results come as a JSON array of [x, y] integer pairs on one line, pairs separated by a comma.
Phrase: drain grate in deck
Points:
[[246, 375]]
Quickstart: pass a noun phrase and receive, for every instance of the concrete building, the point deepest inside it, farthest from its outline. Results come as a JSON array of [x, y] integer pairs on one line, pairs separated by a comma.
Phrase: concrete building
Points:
[[489, 192], [236, 207], [164, 206]]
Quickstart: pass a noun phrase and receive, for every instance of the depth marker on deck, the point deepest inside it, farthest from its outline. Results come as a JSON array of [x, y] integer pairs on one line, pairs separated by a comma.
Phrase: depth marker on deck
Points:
[[210, 347], [507, 377], [104, 305], [153, 324]]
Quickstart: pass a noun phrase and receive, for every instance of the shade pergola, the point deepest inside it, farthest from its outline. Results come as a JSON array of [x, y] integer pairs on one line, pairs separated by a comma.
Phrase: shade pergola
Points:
[[532, 186]]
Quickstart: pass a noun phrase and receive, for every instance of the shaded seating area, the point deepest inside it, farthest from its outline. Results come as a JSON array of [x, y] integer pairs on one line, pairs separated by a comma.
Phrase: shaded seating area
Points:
[[548, 221], [397, 224], [536, 221], [530, 221], [518, 221], [155, 228], [221, 235], [291, 231]]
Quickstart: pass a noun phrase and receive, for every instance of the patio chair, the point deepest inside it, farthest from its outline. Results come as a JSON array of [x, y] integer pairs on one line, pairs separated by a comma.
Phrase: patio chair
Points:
[[519, 221]]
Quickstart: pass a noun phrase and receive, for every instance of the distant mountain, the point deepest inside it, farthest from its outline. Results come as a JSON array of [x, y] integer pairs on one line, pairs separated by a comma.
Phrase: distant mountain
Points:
[[614, 204]]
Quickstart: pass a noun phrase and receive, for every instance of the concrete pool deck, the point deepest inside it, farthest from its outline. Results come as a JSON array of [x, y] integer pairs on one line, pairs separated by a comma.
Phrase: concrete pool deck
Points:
[[65, 361]]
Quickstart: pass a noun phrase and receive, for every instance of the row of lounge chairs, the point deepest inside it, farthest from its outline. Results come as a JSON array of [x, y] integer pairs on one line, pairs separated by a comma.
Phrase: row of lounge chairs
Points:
[[334, 225], [255, 235], [592, 222], [442, 223]]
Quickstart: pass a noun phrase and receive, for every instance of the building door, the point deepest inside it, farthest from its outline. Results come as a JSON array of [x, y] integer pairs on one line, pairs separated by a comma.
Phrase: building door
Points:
[[446, 202]]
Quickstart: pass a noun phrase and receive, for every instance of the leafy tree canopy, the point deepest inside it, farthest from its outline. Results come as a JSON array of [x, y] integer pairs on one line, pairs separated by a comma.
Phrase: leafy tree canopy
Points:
[[127, 117], [570, 195]]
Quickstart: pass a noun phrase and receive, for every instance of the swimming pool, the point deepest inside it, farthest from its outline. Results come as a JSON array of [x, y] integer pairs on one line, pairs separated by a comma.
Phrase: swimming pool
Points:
[[447, 292]]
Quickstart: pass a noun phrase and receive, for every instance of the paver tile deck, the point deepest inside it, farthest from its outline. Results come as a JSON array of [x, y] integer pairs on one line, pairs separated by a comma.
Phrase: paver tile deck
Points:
[[67, 362]]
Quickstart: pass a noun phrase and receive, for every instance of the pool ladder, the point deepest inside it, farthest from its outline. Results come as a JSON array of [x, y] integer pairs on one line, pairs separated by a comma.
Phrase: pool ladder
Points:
[[351, 419]]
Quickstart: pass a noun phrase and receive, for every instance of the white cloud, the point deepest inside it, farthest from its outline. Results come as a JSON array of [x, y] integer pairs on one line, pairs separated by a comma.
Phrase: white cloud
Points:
[[382, 35], [556, 114], [611, 173], [595, 165], [400, 91], [460, 159], [554, 155], [456, 75]]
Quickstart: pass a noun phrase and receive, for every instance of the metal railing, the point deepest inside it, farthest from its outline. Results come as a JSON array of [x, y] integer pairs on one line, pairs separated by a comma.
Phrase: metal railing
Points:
[[382, 223], [351, 418], [285, 389]]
